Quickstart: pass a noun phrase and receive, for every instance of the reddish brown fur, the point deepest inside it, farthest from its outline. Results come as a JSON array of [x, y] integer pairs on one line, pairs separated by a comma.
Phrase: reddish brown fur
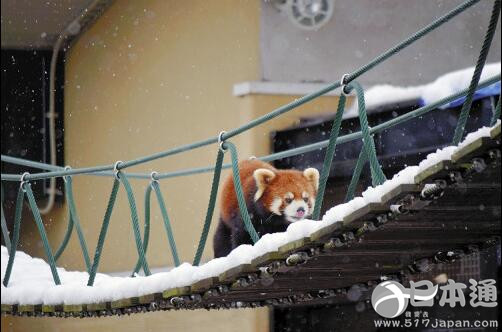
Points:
[[284, 181], [228, 199]]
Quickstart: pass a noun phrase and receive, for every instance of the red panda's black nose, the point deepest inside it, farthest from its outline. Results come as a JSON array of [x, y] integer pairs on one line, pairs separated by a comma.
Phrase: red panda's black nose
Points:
[[300, 209]]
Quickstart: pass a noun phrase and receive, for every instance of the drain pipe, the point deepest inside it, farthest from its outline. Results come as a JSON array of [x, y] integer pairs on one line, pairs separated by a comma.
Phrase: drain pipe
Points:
[[51, 115], [73, 29]]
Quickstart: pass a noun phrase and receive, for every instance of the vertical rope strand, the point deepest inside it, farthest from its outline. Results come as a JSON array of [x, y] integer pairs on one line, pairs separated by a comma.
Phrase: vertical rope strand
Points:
[[5, 229], [146, 233], [496, 114], [15, 234], [240, 194], [76, 222], [466, 107], [41, 229], [102, 233], [361, 161], [328, 157], [135, 222], [377, 175], [66, 237], [210, 208], [167, 223]]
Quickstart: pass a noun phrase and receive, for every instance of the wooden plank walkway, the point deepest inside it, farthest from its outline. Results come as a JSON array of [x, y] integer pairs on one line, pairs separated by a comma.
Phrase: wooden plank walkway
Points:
[[458, 216]]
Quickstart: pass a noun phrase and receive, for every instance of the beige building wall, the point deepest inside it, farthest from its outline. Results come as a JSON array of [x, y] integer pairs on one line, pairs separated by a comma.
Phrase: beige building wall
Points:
[[149, 76]]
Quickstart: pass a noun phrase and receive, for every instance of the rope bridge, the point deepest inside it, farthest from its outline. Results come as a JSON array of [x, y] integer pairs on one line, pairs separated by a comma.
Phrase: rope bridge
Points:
[[347, 84]]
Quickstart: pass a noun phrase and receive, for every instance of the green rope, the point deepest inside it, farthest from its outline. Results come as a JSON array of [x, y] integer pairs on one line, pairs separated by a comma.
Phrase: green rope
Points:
[[377, 175], [379, 59], [167, 223], [76, 221], [5, 229], [322, 144], [66, 238], [43, 234], [466, 107], [496, 114], [102, 233], [411, 39], [328, 157], [146, 232], [240, 194], [361, 161], [15, 235], [210, 208], [135, 223], [283, 154], [283, 109]]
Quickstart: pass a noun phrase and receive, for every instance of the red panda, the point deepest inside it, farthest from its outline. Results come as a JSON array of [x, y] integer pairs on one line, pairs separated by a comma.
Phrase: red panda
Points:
[[274, 199]]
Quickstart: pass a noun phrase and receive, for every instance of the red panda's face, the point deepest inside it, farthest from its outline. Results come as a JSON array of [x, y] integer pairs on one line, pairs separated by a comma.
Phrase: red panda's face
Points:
[[287, 193]]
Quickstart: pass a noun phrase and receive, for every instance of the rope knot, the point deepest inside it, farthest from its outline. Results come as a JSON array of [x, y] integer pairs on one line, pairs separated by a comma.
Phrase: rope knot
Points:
[[65, 178], [153, 178], [344, 84], [23, 180], [221, 141], [116, 169]]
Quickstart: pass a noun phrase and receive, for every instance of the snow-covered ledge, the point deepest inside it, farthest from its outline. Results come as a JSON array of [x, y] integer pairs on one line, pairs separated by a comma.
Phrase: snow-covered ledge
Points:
[[378, 95], [279, 88]]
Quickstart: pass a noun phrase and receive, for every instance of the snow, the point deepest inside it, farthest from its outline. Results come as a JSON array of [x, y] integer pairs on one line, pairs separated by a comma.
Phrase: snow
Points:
[[442, 87], [455, 82], [385, 94], [31, 280]]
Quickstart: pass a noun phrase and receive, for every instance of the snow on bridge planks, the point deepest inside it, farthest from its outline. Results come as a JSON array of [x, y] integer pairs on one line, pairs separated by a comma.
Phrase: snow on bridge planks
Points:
[[459, 215]]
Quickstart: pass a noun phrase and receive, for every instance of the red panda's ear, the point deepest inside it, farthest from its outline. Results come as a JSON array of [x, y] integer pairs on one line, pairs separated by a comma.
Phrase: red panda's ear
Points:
[[312, 176], [262, 177]]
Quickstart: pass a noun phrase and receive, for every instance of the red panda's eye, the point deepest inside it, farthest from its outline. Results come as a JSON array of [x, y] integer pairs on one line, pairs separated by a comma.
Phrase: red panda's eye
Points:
[[288, 200], [306, 199]]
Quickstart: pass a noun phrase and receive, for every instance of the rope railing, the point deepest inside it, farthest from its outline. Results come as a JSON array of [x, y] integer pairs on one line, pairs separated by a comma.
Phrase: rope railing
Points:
[[368, 153], [278, 155], [267, 117], [311, 147]]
